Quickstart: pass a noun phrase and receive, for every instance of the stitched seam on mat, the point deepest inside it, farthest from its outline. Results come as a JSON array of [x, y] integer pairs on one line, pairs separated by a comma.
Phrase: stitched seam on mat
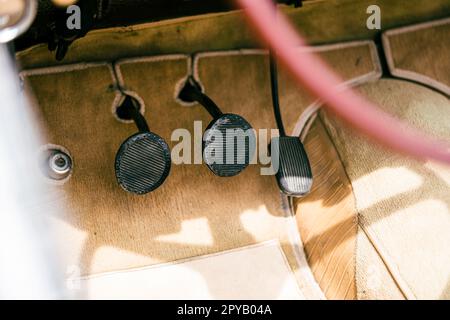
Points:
[[408, 74], [418, 26], [121, 91], [421, 78], [152, 58], [358, 218], [313, 118], [255, 51], [157, 58], [353, 197], [61, 68], [378, 70], [196, 59], [315, 49], [309, 115], [305, 117], [391, 266], [84, 66], [411, 75], [303, 123]]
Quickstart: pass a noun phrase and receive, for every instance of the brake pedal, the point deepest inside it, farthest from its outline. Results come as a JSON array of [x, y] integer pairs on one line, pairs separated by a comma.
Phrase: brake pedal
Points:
[[143, 160], [229, 141]]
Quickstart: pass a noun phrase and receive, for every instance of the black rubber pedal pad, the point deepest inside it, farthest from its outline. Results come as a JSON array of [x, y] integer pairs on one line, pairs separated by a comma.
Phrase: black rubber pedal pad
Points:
[[228, 145], [294, 175], [142, 163]]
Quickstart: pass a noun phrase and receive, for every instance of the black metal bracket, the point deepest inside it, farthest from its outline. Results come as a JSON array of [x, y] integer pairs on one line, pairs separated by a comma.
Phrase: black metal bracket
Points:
[[60, 37]]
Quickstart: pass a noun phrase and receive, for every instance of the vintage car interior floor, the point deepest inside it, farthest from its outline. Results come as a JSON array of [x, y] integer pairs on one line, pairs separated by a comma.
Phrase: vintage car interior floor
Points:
[[353, 225], [194, 212]]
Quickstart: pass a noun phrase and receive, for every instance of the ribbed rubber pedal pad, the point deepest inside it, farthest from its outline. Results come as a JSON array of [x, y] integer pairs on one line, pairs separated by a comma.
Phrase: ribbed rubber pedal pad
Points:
[[143, 160], [142, 163], [228, 140], [294, 175]]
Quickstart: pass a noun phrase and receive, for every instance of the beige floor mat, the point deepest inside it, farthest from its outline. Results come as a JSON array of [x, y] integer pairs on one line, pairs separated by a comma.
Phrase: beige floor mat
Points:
[[356, 62], [194, 213], [243, 275], [226, 31], [374, 280], [403, 204], [421, 53], [327, 218]]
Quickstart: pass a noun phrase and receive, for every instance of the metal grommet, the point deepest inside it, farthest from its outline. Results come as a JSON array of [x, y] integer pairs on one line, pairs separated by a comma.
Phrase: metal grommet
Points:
[[60, 163], [56, 163]]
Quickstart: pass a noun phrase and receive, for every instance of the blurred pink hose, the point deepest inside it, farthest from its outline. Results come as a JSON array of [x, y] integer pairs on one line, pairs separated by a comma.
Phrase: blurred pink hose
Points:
[[310, 72]]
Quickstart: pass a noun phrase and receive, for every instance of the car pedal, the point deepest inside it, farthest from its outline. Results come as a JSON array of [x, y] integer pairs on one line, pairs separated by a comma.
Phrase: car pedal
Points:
[[294, 175], [143, 161]]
